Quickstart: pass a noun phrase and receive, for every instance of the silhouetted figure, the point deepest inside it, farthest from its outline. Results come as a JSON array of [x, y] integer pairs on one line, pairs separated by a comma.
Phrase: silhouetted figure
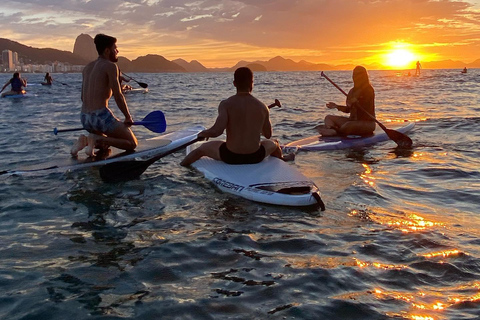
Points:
[[419, 66]]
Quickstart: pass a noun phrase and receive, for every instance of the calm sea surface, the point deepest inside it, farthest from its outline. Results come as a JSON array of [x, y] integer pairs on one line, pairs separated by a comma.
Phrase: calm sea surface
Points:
[[399, 238]]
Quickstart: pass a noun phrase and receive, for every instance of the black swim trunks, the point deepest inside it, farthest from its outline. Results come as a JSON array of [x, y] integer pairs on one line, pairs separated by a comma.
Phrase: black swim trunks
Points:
[[230, 157]]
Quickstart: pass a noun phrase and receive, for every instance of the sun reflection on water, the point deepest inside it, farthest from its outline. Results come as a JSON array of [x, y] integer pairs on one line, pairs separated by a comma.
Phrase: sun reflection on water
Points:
[[406, 222]]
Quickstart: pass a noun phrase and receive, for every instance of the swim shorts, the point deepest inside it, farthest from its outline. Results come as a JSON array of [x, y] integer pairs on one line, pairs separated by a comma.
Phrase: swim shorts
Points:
[[101, 120], [235, 158]]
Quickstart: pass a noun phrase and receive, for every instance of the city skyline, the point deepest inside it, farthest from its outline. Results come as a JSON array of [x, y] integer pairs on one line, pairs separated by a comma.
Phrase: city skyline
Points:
[[394, 33]]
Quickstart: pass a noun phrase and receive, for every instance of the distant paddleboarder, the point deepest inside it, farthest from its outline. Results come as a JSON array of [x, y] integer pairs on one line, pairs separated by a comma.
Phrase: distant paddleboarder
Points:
[[419, 66], [17, 84], [48, 80]]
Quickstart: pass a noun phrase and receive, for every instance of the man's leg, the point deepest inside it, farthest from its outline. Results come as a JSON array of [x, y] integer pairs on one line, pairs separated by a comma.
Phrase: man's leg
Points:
[[332, 124], [121, 137], [358, 127], [273, 149], [207, 149]]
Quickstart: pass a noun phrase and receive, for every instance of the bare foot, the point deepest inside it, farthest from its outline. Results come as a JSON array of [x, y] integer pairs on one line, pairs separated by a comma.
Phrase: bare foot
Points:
[[327, 132], [92, 141], [81, 143], [319, 127], [288, 157]]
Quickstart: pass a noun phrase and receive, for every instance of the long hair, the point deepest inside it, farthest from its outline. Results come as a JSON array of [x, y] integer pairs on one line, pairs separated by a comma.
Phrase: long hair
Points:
[[360, 77]]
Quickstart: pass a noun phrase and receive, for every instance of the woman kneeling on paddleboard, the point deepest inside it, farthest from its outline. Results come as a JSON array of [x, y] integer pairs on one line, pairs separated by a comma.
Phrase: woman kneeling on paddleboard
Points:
[[361, 106]]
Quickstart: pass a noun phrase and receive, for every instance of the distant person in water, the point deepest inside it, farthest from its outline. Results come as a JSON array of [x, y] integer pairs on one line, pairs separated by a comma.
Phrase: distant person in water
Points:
[[100, 81], [419, 66], [360, 101], [48, 80], [121, 78], [17, 84], [464, 70], [245, 119]]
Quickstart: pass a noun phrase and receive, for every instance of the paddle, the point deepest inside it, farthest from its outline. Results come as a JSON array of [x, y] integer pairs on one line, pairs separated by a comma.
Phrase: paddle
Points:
[[154, 121], [402, 140], [132, 169], [141, 84], [275, 104]]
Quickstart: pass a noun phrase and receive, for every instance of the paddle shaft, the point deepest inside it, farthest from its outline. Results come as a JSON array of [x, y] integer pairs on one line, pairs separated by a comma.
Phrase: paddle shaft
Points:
[[154, 121], [55, 131], [141, 84]]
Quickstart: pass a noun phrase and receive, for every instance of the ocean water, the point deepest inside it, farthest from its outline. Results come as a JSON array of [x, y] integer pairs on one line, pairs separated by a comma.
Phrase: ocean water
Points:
[[399, 238]]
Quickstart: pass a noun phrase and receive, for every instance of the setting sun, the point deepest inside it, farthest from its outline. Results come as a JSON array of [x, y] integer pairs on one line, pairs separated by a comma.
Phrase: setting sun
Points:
[[399, 58]]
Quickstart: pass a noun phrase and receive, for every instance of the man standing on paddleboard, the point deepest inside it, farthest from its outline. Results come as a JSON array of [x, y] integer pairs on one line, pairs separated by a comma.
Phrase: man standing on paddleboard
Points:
[[100, 81], [245, 119]]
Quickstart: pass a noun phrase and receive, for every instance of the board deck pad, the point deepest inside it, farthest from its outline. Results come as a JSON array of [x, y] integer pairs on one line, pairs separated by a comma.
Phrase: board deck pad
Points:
[[317, 142], [146, 148], [271, 181]]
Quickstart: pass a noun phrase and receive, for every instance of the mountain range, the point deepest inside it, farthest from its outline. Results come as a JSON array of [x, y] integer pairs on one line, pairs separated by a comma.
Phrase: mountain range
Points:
[[84, 52]]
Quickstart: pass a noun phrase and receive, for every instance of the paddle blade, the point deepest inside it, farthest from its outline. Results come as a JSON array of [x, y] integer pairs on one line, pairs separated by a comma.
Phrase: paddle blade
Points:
[[401, 139], [142, 84], [154, 121]]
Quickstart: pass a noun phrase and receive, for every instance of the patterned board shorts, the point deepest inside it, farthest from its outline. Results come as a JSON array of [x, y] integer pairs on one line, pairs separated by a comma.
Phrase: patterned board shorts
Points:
[[101, 120]]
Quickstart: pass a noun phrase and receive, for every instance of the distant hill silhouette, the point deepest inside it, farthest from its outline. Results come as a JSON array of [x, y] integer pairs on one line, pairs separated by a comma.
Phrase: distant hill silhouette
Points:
[[85, 47], [84, 52], [40, 56], [281, 64], [192, 66]]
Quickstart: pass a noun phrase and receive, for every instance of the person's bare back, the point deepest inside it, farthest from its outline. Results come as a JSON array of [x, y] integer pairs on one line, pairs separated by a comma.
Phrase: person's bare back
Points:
[[248, 119], [97, 88]]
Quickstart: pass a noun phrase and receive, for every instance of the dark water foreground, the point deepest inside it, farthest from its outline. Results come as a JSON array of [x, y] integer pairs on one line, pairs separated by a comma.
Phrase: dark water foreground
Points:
[[399, 238]]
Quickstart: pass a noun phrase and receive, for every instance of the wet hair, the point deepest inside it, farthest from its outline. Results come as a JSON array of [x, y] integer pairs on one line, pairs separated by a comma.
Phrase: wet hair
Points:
[[16, 75], [243, 78], [102, 42]]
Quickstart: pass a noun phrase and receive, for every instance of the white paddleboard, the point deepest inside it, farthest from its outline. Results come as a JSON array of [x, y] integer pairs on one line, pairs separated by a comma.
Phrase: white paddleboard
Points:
[[136, 90], [146, 149], [317, 143], [271, 181]]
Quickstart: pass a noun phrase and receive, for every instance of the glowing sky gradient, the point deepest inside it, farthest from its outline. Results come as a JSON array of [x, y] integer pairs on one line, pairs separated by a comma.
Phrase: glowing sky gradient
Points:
[[219, 33]]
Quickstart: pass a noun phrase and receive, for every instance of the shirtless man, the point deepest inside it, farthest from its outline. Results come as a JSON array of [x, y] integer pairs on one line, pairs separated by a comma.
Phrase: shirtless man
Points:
[[245, 119], [100, 81]]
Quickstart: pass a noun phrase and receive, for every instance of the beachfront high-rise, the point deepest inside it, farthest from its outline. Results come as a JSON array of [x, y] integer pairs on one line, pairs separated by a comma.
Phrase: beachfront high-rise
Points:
[[10, 60]]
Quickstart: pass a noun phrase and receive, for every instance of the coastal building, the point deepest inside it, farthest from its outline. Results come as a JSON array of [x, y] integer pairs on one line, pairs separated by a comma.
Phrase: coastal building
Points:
[[9, 60]]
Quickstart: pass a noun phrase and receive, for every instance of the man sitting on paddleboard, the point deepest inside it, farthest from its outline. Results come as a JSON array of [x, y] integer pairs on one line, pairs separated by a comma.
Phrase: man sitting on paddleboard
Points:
[[245, 119], [100, 80], [17, 84], [360, 105]]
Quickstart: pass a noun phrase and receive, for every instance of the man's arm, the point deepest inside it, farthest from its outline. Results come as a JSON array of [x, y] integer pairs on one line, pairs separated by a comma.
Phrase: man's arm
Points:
[[220, 123], [117, 93], [267, 130]]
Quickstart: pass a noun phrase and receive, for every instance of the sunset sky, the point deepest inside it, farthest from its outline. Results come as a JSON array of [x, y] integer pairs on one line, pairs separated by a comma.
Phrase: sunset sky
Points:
[[219, 33]]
